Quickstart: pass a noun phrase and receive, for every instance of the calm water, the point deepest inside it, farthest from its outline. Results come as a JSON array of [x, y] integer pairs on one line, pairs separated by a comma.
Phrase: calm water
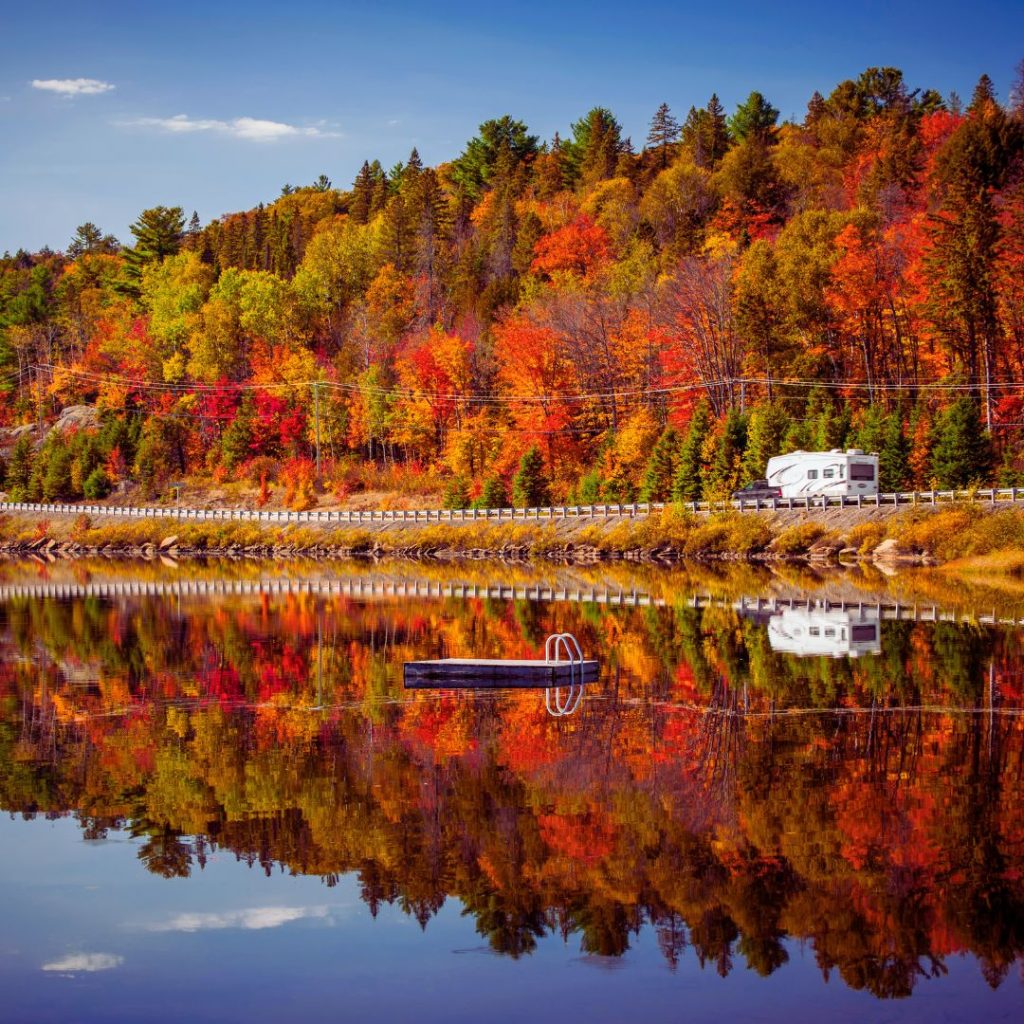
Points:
[[222, 805]]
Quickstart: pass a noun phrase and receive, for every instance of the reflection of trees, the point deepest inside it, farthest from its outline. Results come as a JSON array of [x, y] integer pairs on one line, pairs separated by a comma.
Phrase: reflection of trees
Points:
[[163, 851], [887, 838]]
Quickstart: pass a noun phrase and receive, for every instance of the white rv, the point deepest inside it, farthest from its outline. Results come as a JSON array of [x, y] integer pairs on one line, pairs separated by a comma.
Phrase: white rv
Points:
[[821, 632], [835, 473]]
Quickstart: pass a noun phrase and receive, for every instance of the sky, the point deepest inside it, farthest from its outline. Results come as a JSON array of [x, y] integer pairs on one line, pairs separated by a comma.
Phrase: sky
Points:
[[109, 108]]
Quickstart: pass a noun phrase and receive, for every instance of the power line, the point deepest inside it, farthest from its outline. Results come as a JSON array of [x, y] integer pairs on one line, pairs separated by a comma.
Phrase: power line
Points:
[[202, 387]]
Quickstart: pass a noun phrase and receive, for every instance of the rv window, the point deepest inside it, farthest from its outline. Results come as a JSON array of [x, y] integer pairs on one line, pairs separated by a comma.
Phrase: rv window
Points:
[[828, 473], [862, 471], [814, 631], [830, 632], [812, 474], [861, 633]]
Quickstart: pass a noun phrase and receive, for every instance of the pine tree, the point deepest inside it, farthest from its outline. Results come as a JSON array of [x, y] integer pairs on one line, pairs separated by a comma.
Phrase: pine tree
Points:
[[322, 184], [89, 239], [662, 467], [493, 495], [19, 467], [717, 131], [688, 483], [551, 169], [765, 436], [754, 120], [530, 487], [893, 455], [663, 134], [963, 450], [158, 233], [362, 195], [726, 455]]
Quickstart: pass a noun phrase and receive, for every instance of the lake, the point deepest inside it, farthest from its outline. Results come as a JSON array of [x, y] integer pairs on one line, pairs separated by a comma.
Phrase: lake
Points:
[[788, 796]]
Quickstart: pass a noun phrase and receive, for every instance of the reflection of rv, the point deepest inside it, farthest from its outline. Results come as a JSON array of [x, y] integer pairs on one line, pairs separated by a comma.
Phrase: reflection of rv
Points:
[[825, 632], [834, 473]]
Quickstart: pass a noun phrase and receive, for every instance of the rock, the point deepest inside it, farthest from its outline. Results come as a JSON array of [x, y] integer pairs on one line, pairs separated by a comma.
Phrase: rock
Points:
[[76, 417], [168, 542]]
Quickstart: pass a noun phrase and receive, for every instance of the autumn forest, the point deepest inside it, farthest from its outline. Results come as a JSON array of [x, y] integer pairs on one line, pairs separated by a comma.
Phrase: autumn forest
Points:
[[580, 318]]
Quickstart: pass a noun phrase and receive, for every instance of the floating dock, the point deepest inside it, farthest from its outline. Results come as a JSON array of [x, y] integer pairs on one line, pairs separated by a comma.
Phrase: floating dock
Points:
[[497, 672]]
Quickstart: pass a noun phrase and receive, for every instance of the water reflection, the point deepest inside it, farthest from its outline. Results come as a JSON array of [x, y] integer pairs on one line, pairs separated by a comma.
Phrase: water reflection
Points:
[[717, 786]]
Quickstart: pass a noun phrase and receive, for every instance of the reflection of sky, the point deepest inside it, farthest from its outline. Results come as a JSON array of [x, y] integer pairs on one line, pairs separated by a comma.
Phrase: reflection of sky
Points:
[[230, 944]]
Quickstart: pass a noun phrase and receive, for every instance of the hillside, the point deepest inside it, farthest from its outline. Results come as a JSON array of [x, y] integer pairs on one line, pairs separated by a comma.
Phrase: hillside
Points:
[[577, 318]]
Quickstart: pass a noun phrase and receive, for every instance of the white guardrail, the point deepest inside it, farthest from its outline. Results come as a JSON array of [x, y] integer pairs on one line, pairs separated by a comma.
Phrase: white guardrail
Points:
[[178, 512]]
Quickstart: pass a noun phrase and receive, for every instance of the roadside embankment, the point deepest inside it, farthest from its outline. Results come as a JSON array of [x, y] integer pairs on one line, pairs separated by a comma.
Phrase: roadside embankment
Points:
[[957, 534]]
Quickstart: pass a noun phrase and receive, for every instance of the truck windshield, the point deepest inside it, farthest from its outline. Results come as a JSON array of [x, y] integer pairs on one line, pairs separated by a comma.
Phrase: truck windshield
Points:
[[862, 471]]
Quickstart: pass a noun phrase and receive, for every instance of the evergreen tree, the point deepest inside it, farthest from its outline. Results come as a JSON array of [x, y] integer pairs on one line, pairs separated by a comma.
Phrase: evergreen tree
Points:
[[56, 479], [765, 437], [472, 170], [362, 195], [530, 487], [962, 454], [893, 456], [551, 169], [754, 120], [89, 239], [662, 467], [663, 134], [493, 495], [594, 150], [688, 483], [158, 233], [19, 467], [456, 494], [322, 184], [726, 456]]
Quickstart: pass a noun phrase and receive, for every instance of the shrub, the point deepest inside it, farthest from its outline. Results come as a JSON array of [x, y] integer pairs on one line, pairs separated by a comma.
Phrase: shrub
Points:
[[798, 539], [97, 484], [728, 534], [865, 537], [456, 494], [299, 478]]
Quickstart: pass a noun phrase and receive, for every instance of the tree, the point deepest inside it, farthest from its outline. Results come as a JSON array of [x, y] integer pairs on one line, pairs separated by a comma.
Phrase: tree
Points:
[[754, 120], [663, 134], [322, 184], [894, 456], [494, 494], [19, 467], [962, 454], [662, 467], [688, 483], [362, 195], [473, 169], [594, 150], [89, 239], [530, 487], [706, 133], [765, 436], [158, 233]]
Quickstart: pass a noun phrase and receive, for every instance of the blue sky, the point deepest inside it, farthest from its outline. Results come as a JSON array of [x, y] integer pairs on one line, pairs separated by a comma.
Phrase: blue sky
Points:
[[213, 106]]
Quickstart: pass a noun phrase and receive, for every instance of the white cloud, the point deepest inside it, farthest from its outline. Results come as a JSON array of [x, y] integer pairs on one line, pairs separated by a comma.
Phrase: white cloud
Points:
[[252, 129], [253, 919], [72, 86], [78, 962]]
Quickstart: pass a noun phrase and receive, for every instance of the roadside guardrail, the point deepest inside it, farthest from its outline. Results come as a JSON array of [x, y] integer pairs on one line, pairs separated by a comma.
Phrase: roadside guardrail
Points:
[[991, 496]]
